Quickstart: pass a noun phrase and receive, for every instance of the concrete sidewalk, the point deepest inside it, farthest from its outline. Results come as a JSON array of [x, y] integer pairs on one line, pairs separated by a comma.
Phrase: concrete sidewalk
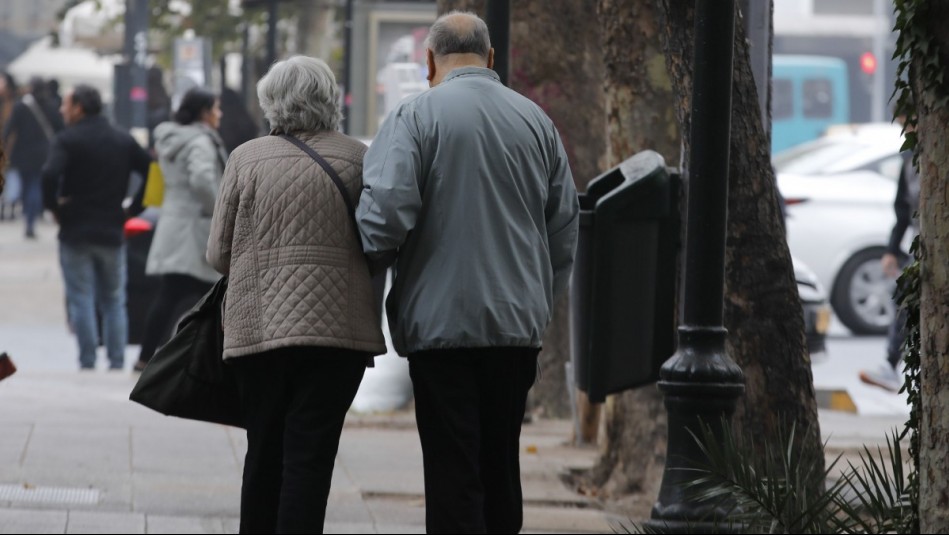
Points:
[[76, 456]]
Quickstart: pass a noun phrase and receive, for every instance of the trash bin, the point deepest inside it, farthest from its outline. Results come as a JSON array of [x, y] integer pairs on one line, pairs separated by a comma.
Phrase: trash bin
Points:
[[624, 283]]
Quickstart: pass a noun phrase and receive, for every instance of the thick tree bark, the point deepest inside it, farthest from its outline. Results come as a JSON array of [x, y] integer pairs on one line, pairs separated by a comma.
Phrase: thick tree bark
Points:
[[763, 312], [640, 108], [564, 77], [934, 260]]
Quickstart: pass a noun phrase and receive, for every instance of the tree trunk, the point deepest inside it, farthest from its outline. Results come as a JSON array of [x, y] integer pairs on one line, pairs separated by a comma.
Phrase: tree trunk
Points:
[[313, 35], [564, 77], [640, 107], [763, 311], [933, 150]]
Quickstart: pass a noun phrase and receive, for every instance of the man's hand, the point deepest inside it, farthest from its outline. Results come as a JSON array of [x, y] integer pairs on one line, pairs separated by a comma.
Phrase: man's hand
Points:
[[891, 266]]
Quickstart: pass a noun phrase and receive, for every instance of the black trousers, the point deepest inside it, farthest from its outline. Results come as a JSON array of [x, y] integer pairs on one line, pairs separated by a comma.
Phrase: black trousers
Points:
[[469, 405], [176, 295], [295, 401]]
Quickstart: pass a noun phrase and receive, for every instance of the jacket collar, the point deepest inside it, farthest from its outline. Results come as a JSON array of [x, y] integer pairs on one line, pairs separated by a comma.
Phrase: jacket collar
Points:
[[472, 71], [91, 119]]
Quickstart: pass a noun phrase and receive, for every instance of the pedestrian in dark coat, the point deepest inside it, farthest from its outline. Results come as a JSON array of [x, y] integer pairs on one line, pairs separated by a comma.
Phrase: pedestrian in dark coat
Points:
[[84, 184], [27, 135]]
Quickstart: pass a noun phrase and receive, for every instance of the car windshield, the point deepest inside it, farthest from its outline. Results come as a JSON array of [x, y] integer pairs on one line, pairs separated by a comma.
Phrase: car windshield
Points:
[[837, 155]]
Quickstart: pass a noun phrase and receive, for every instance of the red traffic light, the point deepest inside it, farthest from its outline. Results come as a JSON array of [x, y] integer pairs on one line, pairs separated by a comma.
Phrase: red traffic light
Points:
[[868, 63]]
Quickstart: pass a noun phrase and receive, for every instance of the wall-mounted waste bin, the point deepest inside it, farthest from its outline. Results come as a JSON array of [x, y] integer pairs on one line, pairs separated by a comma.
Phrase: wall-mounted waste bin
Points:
[[623, 289]]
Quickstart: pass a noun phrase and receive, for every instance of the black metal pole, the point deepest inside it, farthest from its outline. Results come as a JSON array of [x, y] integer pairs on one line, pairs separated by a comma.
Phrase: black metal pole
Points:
[[245, 64], [498, 18], [272, 15], [137, 40], [700, 382], [348, 67]]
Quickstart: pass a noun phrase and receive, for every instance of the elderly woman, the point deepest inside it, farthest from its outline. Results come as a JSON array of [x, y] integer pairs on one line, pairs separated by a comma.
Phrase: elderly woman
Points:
[[299, 320]]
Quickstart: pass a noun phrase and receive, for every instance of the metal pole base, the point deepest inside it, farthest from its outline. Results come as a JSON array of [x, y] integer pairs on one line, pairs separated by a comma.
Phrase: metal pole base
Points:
[[701, 386]]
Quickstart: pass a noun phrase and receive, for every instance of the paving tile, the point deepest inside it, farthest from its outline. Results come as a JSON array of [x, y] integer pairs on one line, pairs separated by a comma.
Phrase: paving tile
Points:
[[79, 449], [232, 525], [397, 512], [183, 524], [191, 449], [178, 495], [367, 455], [347, 528], [395, 528], [13, 441], [99, 522], [561, 520], [32, 521], [347, 508]]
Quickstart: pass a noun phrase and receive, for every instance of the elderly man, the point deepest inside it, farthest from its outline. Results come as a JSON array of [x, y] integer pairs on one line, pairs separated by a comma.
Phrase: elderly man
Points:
[[85, 181], [469, 185]]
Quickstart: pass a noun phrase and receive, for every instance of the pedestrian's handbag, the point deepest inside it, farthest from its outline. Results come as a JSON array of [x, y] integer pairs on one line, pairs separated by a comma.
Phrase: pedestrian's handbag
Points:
[[154, 186], [187, 377]]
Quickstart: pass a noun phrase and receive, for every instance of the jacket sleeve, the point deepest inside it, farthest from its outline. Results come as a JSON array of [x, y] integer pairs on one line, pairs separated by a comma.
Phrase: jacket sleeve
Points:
[[200, 159], [223, 221], [563, 219], [52, 174], [391, 199]]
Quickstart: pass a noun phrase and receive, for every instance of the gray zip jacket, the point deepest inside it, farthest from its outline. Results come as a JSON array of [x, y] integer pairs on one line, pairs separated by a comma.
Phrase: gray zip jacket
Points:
[[469, 184]]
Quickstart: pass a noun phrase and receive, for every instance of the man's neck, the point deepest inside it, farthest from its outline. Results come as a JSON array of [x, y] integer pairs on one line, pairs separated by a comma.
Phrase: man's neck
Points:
[[458, 61]]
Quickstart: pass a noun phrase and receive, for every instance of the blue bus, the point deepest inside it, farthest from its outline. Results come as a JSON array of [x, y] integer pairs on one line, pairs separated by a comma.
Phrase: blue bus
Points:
[[809, 93]]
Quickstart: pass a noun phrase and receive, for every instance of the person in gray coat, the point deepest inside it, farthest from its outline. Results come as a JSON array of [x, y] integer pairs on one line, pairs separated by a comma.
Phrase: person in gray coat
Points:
[[468, 186], [192, 158]]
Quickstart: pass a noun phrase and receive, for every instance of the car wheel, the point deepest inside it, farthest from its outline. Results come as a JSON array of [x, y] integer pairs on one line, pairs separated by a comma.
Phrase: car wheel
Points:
[[863, 295]]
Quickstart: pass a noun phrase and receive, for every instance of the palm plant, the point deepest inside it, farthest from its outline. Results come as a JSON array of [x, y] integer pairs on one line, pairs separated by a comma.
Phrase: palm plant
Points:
[[769, 489]]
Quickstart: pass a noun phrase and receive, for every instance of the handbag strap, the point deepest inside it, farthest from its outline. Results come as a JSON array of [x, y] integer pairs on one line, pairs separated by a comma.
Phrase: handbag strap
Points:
[[40, 117], [329, 171]]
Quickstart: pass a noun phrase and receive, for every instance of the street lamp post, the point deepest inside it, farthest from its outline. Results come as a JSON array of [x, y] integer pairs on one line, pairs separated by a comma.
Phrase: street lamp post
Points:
[[273, 14], [700, 382], [136, 53], [498, 18]]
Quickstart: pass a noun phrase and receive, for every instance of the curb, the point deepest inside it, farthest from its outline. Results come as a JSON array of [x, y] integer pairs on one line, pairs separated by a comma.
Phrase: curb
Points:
[[835, 399]]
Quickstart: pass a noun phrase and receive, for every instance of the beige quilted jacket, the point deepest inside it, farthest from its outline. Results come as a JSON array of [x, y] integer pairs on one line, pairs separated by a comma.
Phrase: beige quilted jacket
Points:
[[282, 234]]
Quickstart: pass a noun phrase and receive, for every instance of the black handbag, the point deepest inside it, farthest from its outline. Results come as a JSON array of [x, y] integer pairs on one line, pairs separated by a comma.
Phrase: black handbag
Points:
[[187, 377]]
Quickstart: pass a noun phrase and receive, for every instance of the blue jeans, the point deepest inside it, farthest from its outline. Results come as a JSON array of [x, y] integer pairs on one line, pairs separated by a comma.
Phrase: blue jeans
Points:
[[95, 280], [32, 197]]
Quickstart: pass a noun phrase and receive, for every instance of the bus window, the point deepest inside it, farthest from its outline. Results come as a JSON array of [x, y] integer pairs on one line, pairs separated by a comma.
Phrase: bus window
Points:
[[818, 98], [782, 105]]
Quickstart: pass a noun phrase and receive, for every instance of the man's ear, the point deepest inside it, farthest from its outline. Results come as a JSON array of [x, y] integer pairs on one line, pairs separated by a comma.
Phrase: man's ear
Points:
[[430, 60], [491, 58]]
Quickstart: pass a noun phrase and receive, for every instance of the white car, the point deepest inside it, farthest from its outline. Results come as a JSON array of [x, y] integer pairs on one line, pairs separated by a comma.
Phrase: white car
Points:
[[839, 191]]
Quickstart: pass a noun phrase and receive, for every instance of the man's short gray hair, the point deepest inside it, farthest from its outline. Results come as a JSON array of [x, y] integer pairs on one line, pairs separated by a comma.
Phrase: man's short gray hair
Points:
[[300, 95], [447, 36]]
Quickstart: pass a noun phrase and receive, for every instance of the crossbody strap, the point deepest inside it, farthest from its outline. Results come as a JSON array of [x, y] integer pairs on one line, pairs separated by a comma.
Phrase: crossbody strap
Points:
[[40, 117], [370, 361], [333, 175]]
